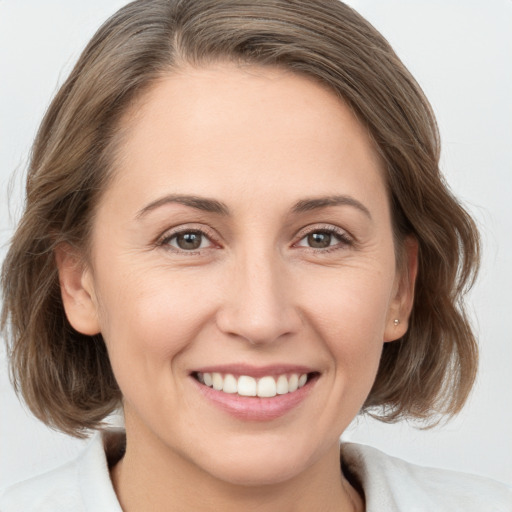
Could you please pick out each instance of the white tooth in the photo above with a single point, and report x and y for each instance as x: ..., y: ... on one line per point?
x: 303, y: 379
x: 293, y: 383
x: 217, y: 381
x: 267, y: 387
x: 282, y: 385
x: 230, y: 385
x: 207, y: 378
x: 246, y: 386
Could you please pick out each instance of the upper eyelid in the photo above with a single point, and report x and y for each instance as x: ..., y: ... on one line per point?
x: 322, y: 227
x: 346, y: 240
x: 172, y: 232
x: 215, y: 238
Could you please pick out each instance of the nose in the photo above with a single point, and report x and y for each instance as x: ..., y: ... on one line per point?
x: 257, y: 303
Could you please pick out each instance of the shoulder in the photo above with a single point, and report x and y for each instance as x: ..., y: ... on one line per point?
x: 395, y: 485
x: 80, y: 485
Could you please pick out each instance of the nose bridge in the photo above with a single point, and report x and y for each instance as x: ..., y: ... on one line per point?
x: 258, y: 305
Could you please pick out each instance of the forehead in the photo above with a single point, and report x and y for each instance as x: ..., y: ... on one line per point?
x: 239, y: 127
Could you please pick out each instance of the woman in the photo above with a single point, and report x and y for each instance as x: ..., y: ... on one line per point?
x: 236, y: 229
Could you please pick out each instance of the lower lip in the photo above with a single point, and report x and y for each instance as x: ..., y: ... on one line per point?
x: 255, y: 408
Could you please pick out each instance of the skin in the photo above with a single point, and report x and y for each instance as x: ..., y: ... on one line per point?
x: 258, y: 140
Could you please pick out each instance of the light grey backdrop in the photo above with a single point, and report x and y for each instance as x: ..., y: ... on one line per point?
x: 461, y: 54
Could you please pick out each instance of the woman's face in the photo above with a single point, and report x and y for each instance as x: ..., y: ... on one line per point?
x: 245, y: 239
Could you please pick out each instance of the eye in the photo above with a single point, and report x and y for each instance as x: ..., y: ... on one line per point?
x: 189, y: 240
x: 324, y: 238
x: 319, y: 240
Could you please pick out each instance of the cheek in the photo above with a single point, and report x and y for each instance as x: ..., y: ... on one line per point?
x: 349, y: 314
x: 353, y: 303
x: 147, y: 319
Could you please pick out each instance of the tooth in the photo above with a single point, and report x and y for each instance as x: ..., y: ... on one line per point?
x: 282, y: 385
x: 207, y: 378
x: 246, y: 386
x: 293, y: 383
x: 267, y: 387
x: 230, y: 384
x: 217, y: 381
x: 249, y: 386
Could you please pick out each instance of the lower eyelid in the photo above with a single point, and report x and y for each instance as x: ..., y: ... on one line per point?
x: 166, y: 238
x: 342, y: 236
x: 343, y: 239
x: 203, y: 238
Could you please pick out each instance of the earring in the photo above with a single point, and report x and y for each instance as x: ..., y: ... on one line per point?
x: 396, y: 321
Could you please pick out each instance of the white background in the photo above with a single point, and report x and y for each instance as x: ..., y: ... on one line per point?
x: 461, y: 53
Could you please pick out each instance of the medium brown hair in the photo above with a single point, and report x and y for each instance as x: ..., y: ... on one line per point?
x: 64, y: 376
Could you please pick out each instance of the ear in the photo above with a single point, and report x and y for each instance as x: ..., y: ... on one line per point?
x: 76, y: 286
x: 397, y: 321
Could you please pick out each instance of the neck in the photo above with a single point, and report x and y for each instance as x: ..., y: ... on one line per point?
x: 152, y: 477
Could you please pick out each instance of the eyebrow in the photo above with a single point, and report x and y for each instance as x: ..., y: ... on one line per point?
x: 306, y: 205
x: 199, y: 203
x: 214, y: 206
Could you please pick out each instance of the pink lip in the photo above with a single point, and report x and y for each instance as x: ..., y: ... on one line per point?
x: 255, y: 371
x: 255, y: 408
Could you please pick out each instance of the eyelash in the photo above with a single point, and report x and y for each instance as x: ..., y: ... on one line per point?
x: 344, y: 240
x: 164, y: 240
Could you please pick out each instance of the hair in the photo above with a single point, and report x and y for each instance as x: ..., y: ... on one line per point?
x: 65, y: 377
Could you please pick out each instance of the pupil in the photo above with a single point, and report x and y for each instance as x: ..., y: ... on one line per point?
x: 189, y: 241
x: 319, y: 240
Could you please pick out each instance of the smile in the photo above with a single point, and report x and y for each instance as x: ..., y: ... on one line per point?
x: 245, y: 385
x: 251, y: 393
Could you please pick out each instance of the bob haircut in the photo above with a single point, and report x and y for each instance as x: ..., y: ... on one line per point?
x: 65, y: 377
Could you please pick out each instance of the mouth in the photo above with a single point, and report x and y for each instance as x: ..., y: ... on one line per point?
x: 264, y: 386
x: 255, y: 394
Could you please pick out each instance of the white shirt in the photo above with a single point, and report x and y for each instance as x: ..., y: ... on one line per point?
x: 390, y: 485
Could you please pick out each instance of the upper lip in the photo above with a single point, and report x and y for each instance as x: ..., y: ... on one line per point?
x: 255, y: 371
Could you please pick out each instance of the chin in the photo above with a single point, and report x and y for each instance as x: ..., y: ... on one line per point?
x: 259, y: 463
x: 255, y: 473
